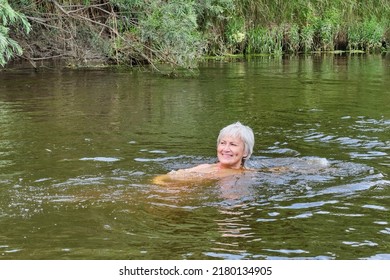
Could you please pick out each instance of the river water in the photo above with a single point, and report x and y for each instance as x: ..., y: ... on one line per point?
x: 79, y: 149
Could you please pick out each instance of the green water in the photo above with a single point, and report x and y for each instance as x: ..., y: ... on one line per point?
x: 78, y: 150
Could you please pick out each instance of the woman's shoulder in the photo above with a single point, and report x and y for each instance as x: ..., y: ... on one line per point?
x: 205, y: 167
x: 188, y: 175
x: 196, y: 169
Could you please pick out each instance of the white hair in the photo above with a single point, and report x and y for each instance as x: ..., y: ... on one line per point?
x: 245, y: 133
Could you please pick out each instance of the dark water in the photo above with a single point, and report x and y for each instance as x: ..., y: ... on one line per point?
x: 78, y: 150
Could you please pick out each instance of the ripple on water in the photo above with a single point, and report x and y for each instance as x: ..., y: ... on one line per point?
x: 159, y: 159
x: 101, y: 159
x: 305, y: 205
x: 308, y: 172
x: 368, y: 155
x: 385, y: 231
x: 379, y: 257
x: 360, y: 244
x: 347, y: 189
x: 375, y: 207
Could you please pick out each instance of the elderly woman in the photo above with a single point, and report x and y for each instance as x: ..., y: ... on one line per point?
x: 234, y: 147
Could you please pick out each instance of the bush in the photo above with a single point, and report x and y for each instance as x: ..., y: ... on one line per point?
x: 159, y: 32
x: 169, y: 30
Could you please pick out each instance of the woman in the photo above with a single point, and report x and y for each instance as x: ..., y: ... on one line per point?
x: 234, y: 147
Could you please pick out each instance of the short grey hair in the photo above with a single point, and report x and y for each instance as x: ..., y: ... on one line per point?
x: 245, y: 133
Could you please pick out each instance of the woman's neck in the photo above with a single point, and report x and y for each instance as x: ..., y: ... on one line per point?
x: 222, y: 166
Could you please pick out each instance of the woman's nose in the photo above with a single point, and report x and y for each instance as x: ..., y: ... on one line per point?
x: 226, y: 147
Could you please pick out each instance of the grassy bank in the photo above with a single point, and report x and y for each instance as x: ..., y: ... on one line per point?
x: 180, y: 32
x: 316, y: 25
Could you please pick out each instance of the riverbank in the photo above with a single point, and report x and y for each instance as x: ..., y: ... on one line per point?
x: 181, y: 33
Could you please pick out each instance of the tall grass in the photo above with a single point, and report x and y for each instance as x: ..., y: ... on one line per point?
x: 315, y: 25
x: 368, y: 35
x: 265, y: 40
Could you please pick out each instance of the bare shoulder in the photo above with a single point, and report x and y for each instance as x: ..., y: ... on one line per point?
x: 193, y: 174
x: 200, y: 168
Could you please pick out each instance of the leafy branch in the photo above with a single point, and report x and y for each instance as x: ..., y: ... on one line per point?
x: 10, y: 18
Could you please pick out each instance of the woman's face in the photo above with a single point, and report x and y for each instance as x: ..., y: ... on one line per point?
x: 230, y: 151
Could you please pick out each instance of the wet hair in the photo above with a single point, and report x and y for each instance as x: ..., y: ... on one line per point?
x: 245, y: 133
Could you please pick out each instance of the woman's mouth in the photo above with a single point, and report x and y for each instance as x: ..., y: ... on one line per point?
x: 225, y: 155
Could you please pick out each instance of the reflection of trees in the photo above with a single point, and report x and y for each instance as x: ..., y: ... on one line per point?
x: 6, y: 144
x: 50, y: 120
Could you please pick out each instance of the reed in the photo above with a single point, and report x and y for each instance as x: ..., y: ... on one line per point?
x: 316, y: 25
x: 368, y: 35
x: 265, y: 40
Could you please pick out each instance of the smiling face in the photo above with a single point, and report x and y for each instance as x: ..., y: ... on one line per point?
x: 230, y: 151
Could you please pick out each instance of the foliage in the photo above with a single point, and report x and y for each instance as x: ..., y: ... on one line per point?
x: 179, y: 32
x: 315, y: 25
x: 212, y: 18
x: 10, y: 18
x: 169, y: 29
x: 367, y: 35
x: 265, y: 40
x: 235, y: 35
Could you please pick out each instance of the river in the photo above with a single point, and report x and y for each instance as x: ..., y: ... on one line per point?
x: 79, y: 150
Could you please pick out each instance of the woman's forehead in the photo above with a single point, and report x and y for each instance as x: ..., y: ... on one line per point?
x: 230, y: 138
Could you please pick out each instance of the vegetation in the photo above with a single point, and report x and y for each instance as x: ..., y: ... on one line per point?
x: 180, y: 32
x: 9, y: 17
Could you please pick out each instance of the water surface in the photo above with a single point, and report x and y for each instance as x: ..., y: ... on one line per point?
x: 78, y: 151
